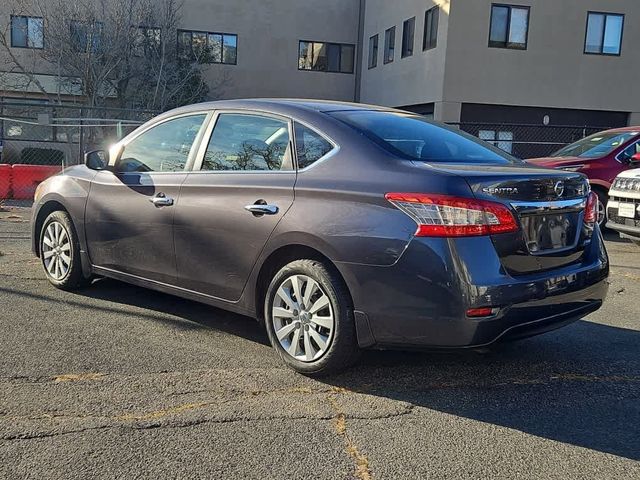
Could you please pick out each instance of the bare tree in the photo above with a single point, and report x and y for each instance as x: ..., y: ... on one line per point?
x: 121, y: 52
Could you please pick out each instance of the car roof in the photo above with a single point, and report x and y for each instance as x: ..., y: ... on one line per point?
x: 624, y: 129
x: 286, y: 106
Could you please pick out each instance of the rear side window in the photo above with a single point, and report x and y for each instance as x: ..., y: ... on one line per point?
x: 413, y: 137
x: 310, y: 146
x: 246, y: 142
x: 163, y: 148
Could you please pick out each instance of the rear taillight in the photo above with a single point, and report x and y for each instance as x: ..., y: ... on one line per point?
x: 591, y: 210
x: 447, y: 216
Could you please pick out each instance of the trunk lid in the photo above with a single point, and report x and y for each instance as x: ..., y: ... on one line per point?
x: 548, y: 204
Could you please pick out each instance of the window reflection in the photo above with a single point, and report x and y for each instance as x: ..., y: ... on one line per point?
x: 248, y: 142
x: 163, y: 148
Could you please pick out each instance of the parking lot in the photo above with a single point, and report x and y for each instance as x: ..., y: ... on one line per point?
x: 117, y: 381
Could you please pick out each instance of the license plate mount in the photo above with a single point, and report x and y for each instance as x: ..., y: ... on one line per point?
x: 627, y: 210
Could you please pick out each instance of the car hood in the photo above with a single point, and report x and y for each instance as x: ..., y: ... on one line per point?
x: 557, y: 162
x: 633, y: 173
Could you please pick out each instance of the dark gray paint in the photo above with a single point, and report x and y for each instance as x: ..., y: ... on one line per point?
x: 405, y: 290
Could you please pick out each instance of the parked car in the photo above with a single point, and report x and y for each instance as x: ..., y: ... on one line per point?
x: 601, y: 157
x: 340, y: 226
x: 623, y: 209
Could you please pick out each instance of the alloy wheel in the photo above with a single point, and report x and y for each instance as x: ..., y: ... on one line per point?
x: 56, y: 250
x: 303, y: 318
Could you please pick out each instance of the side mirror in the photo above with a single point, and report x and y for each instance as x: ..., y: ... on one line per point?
x: 97, y: 160
x: 635, y: 159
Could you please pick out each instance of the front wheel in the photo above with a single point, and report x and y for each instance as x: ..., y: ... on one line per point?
x: 309, y: 318
x: 60, y: 252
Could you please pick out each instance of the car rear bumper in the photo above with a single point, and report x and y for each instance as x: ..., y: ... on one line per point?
x: 422, y: 300
x: 629, y: 229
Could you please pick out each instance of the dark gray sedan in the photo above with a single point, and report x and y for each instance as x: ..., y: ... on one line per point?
x: 340, y: 226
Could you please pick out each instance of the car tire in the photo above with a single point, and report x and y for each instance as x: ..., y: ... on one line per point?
x: 60, y: 252
x: 311, y: 348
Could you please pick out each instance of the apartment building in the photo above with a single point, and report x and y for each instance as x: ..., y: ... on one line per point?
x: 562, y: 62
x: 544, y: 62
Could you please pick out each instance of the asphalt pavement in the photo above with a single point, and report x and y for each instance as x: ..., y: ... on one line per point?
x: 115, y: 381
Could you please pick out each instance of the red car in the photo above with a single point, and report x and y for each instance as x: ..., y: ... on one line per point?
x: 601, y: 157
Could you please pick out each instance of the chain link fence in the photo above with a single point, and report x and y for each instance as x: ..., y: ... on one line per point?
x: 528, y: 141
x: 39, y: 139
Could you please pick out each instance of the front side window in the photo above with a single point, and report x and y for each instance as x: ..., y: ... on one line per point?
x: 389, y: 44
x: 163, y: 148
x: 629, y: 152
x: 245, y: 142
x: 208, y: 47
x: 597, y: 145
x: 27, y: 32
x: 373, y: 51
x: 408, y: 33
x: 509, y: 27
x: 310, y: 145
x: 326, y: 57
x: 413, y: 137
x: 604, y: 34
x: 430, y: 37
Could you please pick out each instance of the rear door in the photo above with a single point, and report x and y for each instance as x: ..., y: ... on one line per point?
x: 241, y: 186
x: 130, y: 210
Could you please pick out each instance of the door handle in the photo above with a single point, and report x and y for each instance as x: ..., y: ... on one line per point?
x: 161, y: 200
x: 259, y: 209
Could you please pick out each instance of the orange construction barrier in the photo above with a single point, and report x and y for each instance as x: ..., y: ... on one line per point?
x: 25, y: 179
x: 5, y: 181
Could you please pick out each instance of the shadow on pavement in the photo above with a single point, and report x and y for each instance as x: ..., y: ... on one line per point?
x: 614, y: 237
x: 579, y: 385
x: 198, y: 314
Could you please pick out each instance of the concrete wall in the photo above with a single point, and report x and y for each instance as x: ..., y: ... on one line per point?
x: 553, y: 71
x: 406, y: 81
x: 268, y: 34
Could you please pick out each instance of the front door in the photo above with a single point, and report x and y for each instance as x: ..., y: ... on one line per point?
x: 130, y: 210
x: 231, y: 203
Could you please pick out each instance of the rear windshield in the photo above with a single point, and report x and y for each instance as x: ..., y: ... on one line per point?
x: 597, y: 145
x: 415, y: 138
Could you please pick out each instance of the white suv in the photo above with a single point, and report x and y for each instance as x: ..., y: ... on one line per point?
x: 623, y: 209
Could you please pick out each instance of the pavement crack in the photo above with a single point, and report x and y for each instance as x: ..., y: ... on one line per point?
x: 362, y: 471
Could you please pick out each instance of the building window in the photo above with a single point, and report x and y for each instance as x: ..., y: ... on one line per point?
x: 430, y: 37
x: 604, y: 33
x: 502, y: 139
x: 27, y: 32
x: 86, y: 36
x: 147, y: 41
x: 326, y: 57
x: 408, y: 31
x: 373, y: 51
x: 208, y: 47
x: 389, y: 44
x: 509, y: 27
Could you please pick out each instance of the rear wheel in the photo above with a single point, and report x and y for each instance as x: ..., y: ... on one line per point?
x: 309, y: 318
x: 60, y: 252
